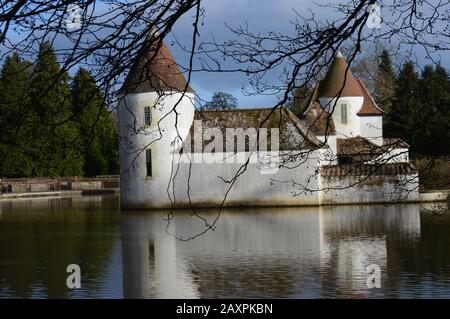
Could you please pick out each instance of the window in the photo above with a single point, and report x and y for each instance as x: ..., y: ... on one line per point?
x: 342, y: 160
x: 148, y: 162
x: 147, y: 115
x: 344, y: 113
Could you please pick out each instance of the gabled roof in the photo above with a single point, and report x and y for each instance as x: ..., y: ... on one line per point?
x: 316, y: 119
x: 154, y: 70
x: 293, y: 135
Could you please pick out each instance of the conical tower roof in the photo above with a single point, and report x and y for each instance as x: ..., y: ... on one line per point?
x: 154, y: 70
x: 333, y: 82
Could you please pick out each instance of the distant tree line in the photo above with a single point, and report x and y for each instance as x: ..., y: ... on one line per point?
x: 53, y: 128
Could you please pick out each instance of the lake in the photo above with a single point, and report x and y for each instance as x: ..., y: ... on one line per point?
x: 310, y: 252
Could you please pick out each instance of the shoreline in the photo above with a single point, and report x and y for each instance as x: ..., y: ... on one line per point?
x: 60, y: 194
x: 425, y: 197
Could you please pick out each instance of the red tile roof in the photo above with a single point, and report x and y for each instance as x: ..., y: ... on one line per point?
x: 154, y: 70
x: 357, y: 146
x: 369, y: 107
x: 368, y: 170
x: 333, y: 82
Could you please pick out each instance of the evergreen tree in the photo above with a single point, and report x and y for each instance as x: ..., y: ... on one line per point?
x: 56, y: 146
x: 15, y: 159
x: 404, y: 116
x: 384, y: 82
x: 111, y: 143
x: 435, y: 103
x: 420, y: 112
x: 97, y: 132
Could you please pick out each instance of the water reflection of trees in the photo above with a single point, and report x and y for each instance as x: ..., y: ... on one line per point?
x: 411, y: 265
x: 40, y: 237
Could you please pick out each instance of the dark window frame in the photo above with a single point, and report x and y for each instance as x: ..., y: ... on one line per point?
x: 345, y: 159
x: 147, y: 115
x: 148, y: 163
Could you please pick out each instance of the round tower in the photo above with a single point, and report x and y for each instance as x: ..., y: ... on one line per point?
x: 353, y: 110
x: 155, y: 106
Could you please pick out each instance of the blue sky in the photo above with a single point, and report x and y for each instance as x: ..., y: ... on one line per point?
x: 261, y: 16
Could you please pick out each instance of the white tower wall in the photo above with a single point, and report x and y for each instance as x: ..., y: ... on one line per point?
x: 135, y: 137
x: 372, y: 128
x: 353, y: 126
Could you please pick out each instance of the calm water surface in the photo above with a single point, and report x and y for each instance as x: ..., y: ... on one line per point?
x: 267, y: 252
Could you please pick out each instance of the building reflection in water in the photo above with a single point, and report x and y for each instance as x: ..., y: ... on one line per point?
x: 267, y: 252
x: 264, y: 252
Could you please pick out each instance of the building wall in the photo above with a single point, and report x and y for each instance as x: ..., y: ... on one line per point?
x: 353, y: 126
x: 372, y: 128
x: 181, y: 183
x: 135, y: 138
x: 331, y: 152
x: 372, y: 189
x: 207, y: 186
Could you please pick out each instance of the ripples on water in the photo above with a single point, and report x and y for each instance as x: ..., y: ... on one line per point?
x: 316, y: 252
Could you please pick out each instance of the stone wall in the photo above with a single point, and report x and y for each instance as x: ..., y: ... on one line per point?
x: 366, y: 189
x: 29, y: 185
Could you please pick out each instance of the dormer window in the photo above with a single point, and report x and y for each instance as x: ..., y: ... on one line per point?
x: 344, y: 113
x: 147, y: 115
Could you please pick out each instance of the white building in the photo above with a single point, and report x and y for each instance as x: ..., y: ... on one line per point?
x: 172, y: 155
